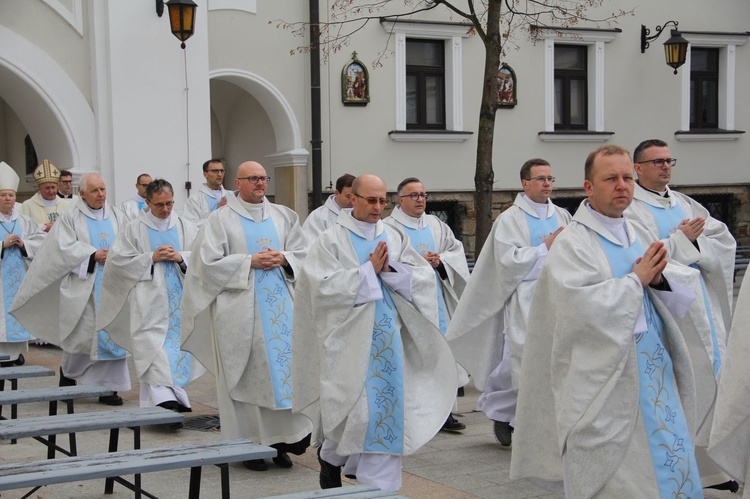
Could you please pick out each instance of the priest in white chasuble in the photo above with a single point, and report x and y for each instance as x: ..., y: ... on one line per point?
x: 378, y: 378
x: 237, y: 313
x: 60, y: 298
x: 141, y: 295
x: 21, y: 238
x: 607, y: 400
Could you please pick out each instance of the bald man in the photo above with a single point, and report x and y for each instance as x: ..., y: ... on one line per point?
x: 59, y: 300
x: 240, y: 287
x: 385, y: 380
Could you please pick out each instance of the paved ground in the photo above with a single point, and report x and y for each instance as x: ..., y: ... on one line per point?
x: 452, y: 466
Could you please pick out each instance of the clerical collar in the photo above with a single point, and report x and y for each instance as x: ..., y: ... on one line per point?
x: 418, y: 221
x: 161, y: 224
x: 6, y: 218
x: 369, y: 230
x: 138, y: 198
x: 98, y: 214
x: 616, y: 226
x: 662, y: 194
x: 49, y: 203
x: 256, y: 210
x: 539, y: 208
x: 217, y: 193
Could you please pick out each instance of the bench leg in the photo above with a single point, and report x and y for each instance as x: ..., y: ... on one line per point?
x: 114, y: 435
x: 224, y: 480
x: 195, y: 482
x: 71, y: 436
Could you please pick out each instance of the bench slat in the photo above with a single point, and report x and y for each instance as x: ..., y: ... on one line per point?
x: 356, y: 492
x: 86, y: 421
x: 17, y: 372
x: 80, y: 468
x: 55, y: 393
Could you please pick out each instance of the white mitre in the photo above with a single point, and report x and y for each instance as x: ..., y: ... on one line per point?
x: 8, y: 177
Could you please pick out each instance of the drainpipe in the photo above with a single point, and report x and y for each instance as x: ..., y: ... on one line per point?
x: 317, y: 158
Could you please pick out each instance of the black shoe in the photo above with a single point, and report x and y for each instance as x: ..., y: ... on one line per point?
x: 330, y: 475
x: 21, y: 360
x: 460, y: 392
x: 503, y: 432
x: 111, y: 399
x: 65, y: 381
x: 452, y: 424
x: 283, y: 460
x: 731, y: 486
x: 255, y: 464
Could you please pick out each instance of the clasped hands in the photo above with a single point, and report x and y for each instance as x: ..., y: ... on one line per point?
x: 649, y: 267
x: 268, y: 259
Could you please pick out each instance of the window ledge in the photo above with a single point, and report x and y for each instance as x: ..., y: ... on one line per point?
x: 707, y: 135
x: 428, y: 136
x: 575, y: 136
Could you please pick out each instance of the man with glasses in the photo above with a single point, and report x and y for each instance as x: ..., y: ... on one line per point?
x: 237, y: 312
x: 59, y: 299
x: 378, y: 380
x: 435, y: 241
x: 692, y: 237
x: 488, y: 330
x: 325, y: 216
x: 65, y: 187
x: 211, y: 194
x: 141, y: 293
x: 133, y: 206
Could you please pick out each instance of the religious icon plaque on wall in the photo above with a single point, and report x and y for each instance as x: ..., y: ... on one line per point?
x: 355, y: 83
x: 506, y: 87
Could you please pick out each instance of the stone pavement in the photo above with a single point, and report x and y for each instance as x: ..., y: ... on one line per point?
x: 452, y: 466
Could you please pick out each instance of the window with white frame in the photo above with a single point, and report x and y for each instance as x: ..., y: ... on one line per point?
x: 429, y: 80
x: 708, y: 86
x: 574, y: 83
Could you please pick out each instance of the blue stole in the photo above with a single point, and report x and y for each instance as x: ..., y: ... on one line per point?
x: 669, y: 440
x: 101, y: 235
x: 141, y: 205
x: 180, y: 362
x: 13, y: 271
x: 385, y: 379
x: 539, y: 229
x: 422, y: 240
x: 273, y: 303
x: 667, y: 221
x: 213, y: 203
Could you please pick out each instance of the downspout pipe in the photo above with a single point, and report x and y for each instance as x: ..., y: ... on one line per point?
x: 316, y: 141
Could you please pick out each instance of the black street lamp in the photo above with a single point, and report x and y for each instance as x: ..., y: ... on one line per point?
x: 675, y: 49
x: 181, y: 17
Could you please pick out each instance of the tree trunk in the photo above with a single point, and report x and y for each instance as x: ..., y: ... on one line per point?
x: 484, y: 176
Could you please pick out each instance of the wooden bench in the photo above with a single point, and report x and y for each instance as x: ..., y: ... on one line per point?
x: 356, y: 492
x: 39, y: 427
x: 113, y: 465
x: 67, y: 394
x: 15, y: 373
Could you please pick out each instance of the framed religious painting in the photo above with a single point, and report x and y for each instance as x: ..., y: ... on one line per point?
x: 355, y: 83
x: 506, y: 87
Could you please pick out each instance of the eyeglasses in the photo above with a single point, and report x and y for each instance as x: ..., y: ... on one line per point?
x: 217, y: 172
x: 551, y: 180
x: 415, y: 195
x: 66, y: 181
x: 143, y: 185
x: 659, y: 162
x: 255, y: 179
x: 374, y: 200
x: 161, y: 206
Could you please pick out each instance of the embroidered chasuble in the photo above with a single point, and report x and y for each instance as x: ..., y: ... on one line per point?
x: 670, y: 445
x: 667, y: 221
x: 274, y: 306
x: 422, y: 240
x: 539, y: 228
x: 13, y: 270
x: 180, y: 362
x: 385, y: 374
x: 101, y: 236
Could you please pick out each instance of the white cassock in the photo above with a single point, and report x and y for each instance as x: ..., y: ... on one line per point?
x: 222, y: 323
x: 202, y: 203
x: 14, y: 339
x: 131, y: 207
x: 140, y: 306
x: 337, y: 299
x: 714, y: 258
x: 730, y: 436
x: 57, y: 301
x: 42, y: 211
x: 608, y: 386
x: 321, y: 219
x: 488, y: 329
